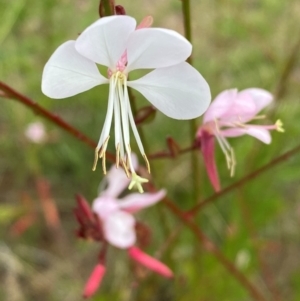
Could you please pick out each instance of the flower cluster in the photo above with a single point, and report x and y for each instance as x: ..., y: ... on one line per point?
x: 173, y: 87
x: 111, y: 221
x: 228, y: 116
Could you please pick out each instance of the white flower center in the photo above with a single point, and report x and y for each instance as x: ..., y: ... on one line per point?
x: 119, y: 106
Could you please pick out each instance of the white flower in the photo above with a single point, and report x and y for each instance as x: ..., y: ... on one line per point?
x: 174, y: 87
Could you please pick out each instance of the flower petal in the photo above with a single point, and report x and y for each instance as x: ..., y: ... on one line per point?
x: 104, y: 206
x: 117, y: 179
x: 179, y: 91
x: 220, y: 105
x: 259, y: 132
x: 136, y: 201
x: 150, y: 262
x: 230, y: 106
x: 261, y: 97
x: 67, y: 73
x: 94, y: 281
x: 208, y: 152
x: 119, y: 229
x: 156, y: 48
x: 104, y: 41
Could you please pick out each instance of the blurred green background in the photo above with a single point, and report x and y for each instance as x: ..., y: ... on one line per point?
x: 237, y: 44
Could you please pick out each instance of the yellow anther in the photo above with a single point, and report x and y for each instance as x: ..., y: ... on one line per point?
x: 96, y: 159
x: 103, y: 148
x: 118, y: 155
x: 279, y: 126
x: 147, y: 162
x: 104, y: 163
x: 125, y: 168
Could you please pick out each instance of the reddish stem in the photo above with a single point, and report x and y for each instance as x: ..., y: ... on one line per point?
x: 210, y: 247
x: 13, y: 94
x: 243, y: 180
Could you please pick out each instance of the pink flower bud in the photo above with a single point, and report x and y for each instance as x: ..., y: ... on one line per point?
x: 94, y: 281
x: 150, y: 262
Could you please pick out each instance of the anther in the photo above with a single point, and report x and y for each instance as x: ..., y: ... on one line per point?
x: 279, y: 126
x: 125, y: 168
x: 118, y: 156
x: 147, y: 162
x: 96, y: 159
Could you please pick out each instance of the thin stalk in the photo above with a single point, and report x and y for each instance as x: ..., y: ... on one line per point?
x: 109, y: 7
x: 186, y: 12
x: 193, y: 211
x: 10, y: 93
x: 211, y: 248
x: 287, y: 71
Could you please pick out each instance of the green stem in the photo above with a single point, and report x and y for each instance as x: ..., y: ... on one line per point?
x: 186, y: 12
x: 109, y: 7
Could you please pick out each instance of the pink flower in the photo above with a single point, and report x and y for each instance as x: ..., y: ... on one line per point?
x: 227, y: 117
x: 111, y: 221
x: 35, y: 132
x: 116, y: 215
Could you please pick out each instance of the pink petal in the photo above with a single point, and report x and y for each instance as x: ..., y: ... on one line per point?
x: 145, y: 23
x: 104, y: 206
x: 119, y: 229
x: 117, y: 179
x: 220, y: 105
x: 150, y: 262
x: 259, y: 132
x: 94, y: 281
x: 136, y: 201
x: 261, y: 97
x: 208, y: 150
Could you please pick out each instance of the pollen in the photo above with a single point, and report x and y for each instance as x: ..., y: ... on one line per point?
x: 279, y: 126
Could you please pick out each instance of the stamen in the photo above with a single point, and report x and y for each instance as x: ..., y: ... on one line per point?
x: 125, y: 168
x: 147, y: 162
x: 118, y: 155
x: 233, y: 162
x: 259, y: 117
x: 103, y: 148
x: 228, y: 152
x: 96, y: 158
x: 217, y: 126
x: 240, y: 124
x: 103, y: 156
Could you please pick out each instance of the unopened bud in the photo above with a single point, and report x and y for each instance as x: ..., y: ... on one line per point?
x: 120, y: 10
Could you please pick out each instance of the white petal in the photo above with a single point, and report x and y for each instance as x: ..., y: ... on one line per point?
x: 137, y: 201
x: 119, y: 229
x: 156, y: 48
x: 104, y: 41
x: 261, y: 97
x: 179, y: 91
x: 68, y: 73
